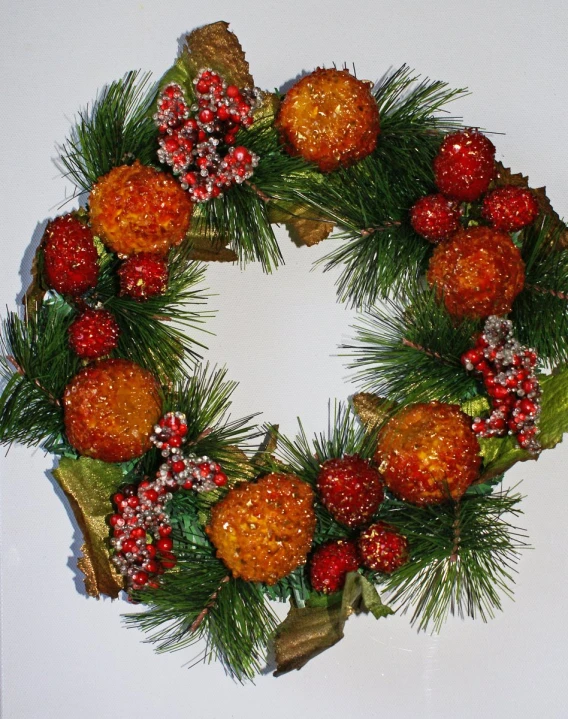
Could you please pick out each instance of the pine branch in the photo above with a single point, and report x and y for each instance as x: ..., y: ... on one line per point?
x: 540, y: 313
x: 154, y: 333
x: 462, y: 557
x: 370, y: 201
x: 199, y: 601
x: 116, y: 130
x: 411, y: 352
x: 36, y: 366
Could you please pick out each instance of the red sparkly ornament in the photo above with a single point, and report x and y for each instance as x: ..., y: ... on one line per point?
x: 331, y: 563
x: 435, y: 217
x: 142, y: 276
x: 464, y: 165
x: 382, y: 548
x: 94, y: 334
x: 478, y: 272
x: 70, y: 256
x: 510, y: 208
x: 350, y: 489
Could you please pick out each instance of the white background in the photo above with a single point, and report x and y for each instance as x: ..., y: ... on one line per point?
x: 64, y: 655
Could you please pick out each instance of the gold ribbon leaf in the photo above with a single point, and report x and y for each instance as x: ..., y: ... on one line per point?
x: 215, y: 46
x: 310, y: 630
x: 89, y: 484
x: 206, y: 248
x: 372, y: 409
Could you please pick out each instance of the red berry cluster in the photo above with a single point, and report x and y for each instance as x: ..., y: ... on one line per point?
x: 142, y: 276
x: 508, y: 372
x: 189, y: 472
x: 94, y: 334
x: 380, y: 548
x: 141, y: 526
x: 463, y: 170
x: 191, y: 136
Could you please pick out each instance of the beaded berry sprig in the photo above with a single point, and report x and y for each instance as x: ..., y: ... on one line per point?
x: 198, y: 141
x: 141, y: 525
x: 508, y: 372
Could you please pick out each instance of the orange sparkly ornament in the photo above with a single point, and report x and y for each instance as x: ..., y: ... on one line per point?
x: 262, y: 531
x: 111, y: 408
x: 135, y: 208
x: 330, y: 118
x: 478, y: 272
x: 428, y: 453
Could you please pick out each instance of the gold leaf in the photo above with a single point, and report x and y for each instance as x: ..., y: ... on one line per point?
x: 372, y: 409
x: 89, y: 484
x: 215, y: 46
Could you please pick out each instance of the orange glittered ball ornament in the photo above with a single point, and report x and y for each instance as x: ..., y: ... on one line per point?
x: 478, y: 272
x: 330, y: 118
x: 135, y: 208
x: 262, y: 531
x: 111, y: 408
x: 428, y: 453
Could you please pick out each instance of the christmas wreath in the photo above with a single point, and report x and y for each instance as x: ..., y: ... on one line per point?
x: 460, y: 273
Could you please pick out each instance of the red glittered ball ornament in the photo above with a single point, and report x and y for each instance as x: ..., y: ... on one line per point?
x: 478, y: 272
x: 428, y: 453
x: 510, y: 208
x: 350, y: 489
x: 435, y: 217
x: 142, y: 276
x: 94, y: 334
x: 331, y: 563
x: 382, y: 548
x: 70, y: 256
x: 464, y: 165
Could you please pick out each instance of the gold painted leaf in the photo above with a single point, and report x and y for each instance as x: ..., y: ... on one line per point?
x: 89, y: 484
x: 372, y: 409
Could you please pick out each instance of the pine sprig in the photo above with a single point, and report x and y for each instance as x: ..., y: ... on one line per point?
x: 200, y: 601
x: 370, y: 201
x: 462, y: 557
x: 36, y: 365
x: 154, y: 333
x: 540, y: 313
x: 410, y: 352
x: 116, y: 130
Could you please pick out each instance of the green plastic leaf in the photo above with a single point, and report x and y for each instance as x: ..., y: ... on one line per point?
x: 310, y: 630
x: 89, y: 484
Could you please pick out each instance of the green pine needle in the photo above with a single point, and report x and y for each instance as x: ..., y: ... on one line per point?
x: 411, y: 352
x: 462, y: 557
x: 545, y: 295
x: 116, y: 130
x: 36, y: 366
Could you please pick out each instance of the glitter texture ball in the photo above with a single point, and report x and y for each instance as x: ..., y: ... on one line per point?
x: 331, y: 563
x: 330, y: 118
x: 135, y: 208
x: 382, y: 548
x: 70, y: 256
x: 428, y: 453
x: 94, y: 334
x: 262, y: 531
x: 478, y: 272
x: 510, y: 208
x: 111, y: 408
x: 142, y: 276
x: 464, y: 165
x: 350, y: 489
x: 435, y: 217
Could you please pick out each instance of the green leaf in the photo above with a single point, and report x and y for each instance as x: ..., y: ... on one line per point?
x: 89, y: 484
x: 308, y: 631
